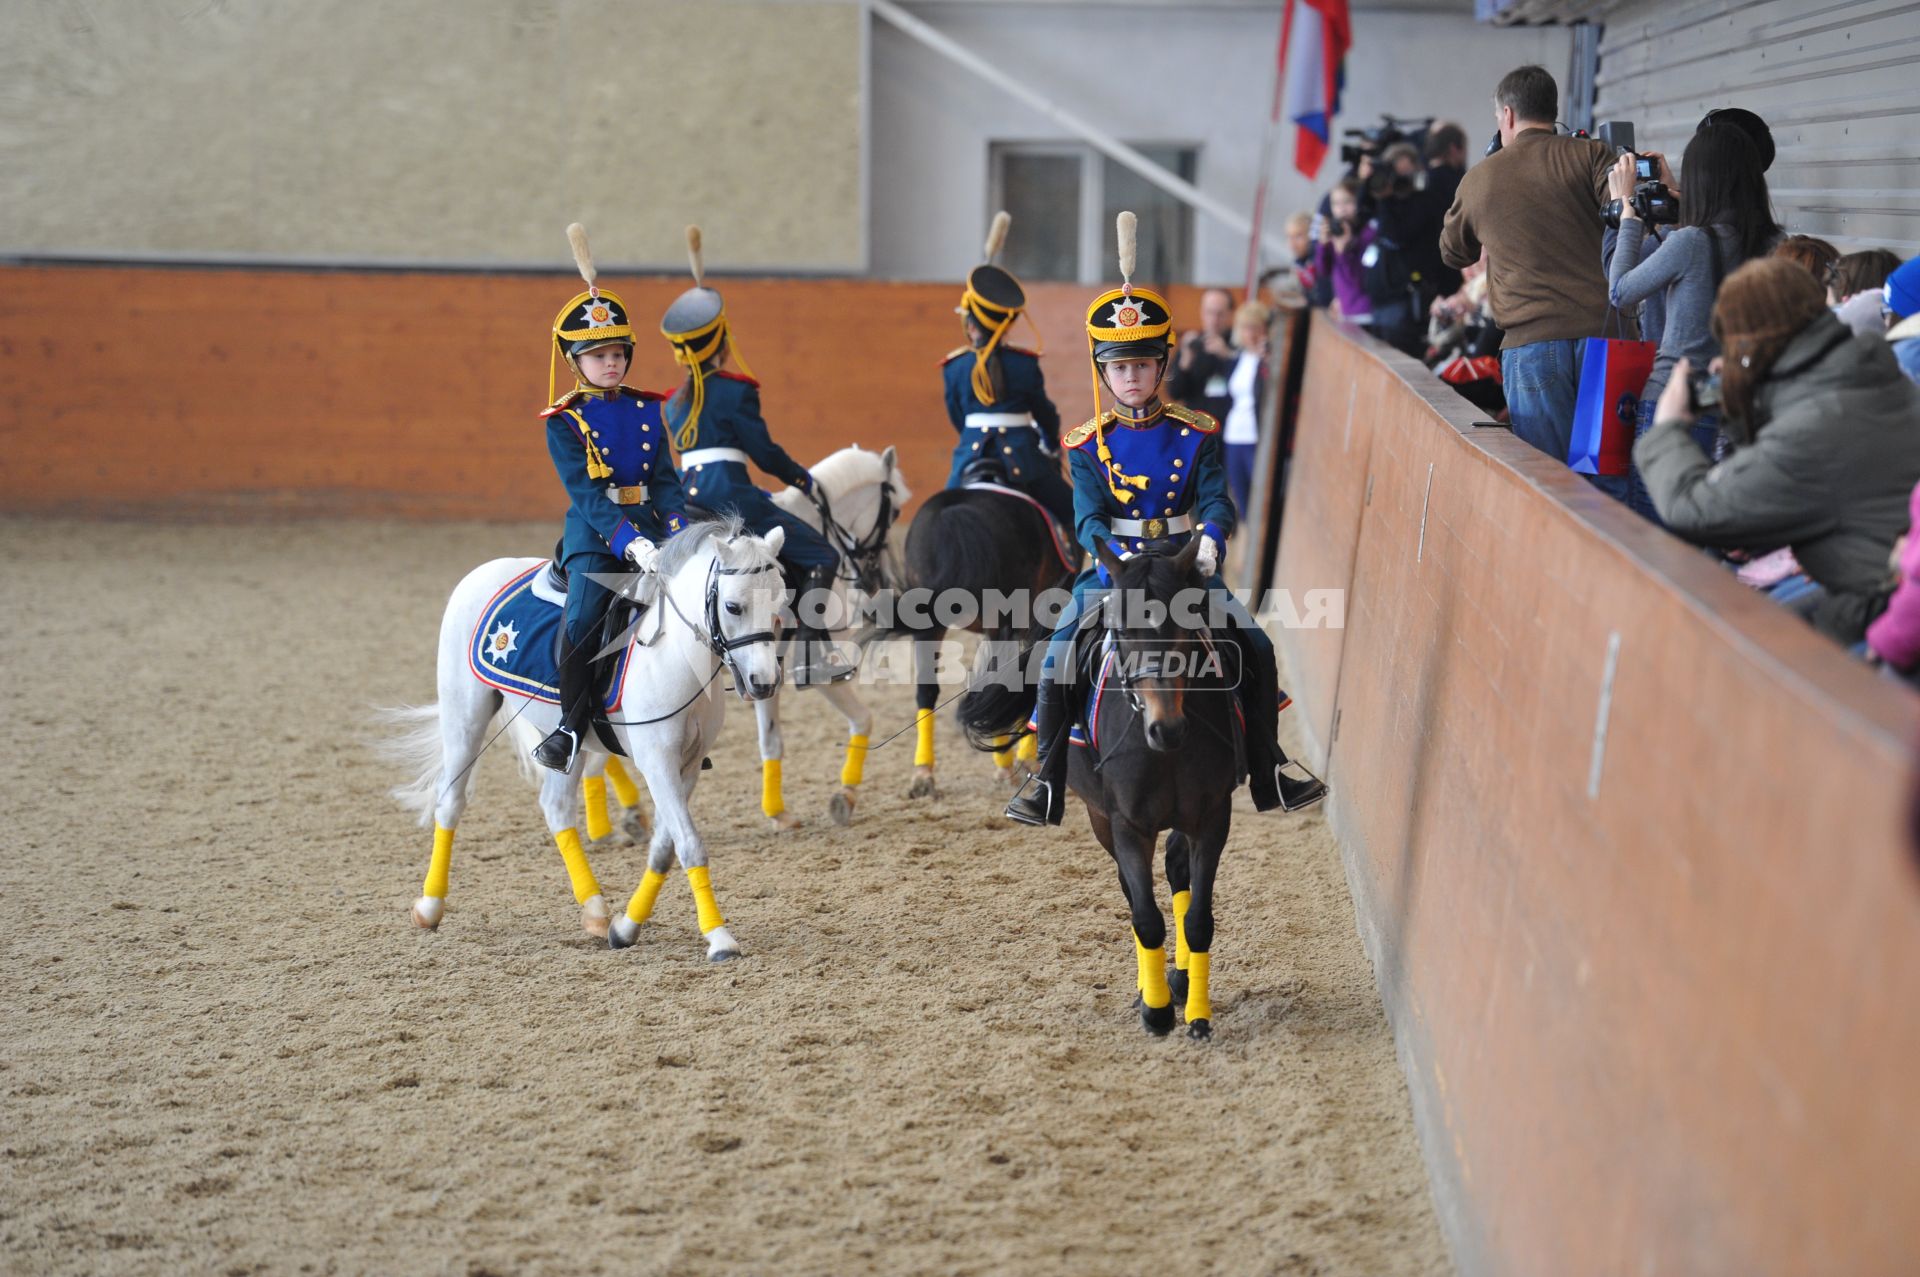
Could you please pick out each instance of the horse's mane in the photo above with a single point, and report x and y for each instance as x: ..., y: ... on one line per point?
x: 725, y: 534
x: 852, y: 466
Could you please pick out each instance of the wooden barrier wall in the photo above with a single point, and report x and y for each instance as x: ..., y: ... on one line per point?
x: 146, y: 392
x: 1626, y: 847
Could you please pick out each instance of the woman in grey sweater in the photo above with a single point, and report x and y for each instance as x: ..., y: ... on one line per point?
x: 1725, y: 219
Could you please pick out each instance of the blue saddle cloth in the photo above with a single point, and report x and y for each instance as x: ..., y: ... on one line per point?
x: 515, y: 645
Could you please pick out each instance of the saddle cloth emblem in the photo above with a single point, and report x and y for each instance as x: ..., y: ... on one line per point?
x: 515, y: 643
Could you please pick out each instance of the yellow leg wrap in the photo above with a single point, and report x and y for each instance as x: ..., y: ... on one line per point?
x: 1153, y: 975
x: 623, y: 787
x: 1029, y: 750
x: 436, y: 885
x: 1181, y: 899
x: 640, y: 908
x: 1198, y: 1008
x: 594, y: 790
x: 579, y: 872
x: 771, y: 802
x: 855, y: 768
x: 1003, y: 756
x: 703, y: 899
x: 923, y: 746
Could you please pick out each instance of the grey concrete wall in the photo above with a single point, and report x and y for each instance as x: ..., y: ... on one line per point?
x: 433, y: 129
x: 1148, y: 73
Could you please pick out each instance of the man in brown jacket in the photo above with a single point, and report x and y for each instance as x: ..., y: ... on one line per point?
x: 1534, y: 206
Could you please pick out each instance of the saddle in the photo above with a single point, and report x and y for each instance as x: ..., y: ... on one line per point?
x: 983, y: 469
x: 614, y: 625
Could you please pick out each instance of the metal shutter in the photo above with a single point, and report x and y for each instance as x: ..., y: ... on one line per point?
x: 1839, y: 84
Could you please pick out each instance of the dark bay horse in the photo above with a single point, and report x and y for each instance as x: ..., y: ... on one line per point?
x: 1164, y: 758
x: 982, y: 543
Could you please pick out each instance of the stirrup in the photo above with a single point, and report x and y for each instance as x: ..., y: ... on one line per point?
x: 1042, y: 808
x: 547, y: 754
x: 828, y: 669
x: 1298, y: 793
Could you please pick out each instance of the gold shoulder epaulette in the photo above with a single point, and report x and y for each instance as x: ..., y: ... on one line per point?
x: 1086, y: 430
x: 562, y: 403
x: 954, y: 354
x: 1198, y: 420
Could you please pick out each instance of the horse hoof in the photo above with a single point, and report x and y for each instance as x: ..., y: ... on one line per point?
x: 1200, y: 1030
x: 1158, y: 1020
x: 594, y: 915
x: 634, y: 826
x: 840, y: 808
x: 1009, y: 776
x: 1177, y: 981
x: 721, y: 946
x: 426, y: 912
x: 622, y: 932
x: 923, y: 786
x: 785, y: 822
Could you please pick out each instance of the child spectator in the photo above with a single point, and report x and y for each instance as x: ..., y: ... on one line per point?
x: 1247, y: 384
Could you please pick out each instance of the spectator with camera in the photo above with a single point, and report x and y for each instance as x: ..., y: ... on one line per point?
x: 1339, y: 259
x: 1826, y: 444
x: 1534, y: 207
x: 1406, y: 250
x: 1199, y: 376
x: 1725, y: 219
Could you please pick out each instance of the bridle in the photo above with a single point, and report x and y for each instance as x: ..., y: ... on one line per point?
x: 709, y: 631
x: 861, y: 555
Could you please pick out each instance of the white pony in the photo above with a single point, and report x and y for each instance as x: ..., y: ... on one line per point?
x: 713, y: 599
x: 865, y: 494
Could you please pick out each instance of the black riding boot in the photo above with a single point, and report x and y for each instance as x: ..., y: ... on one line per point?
x: 1042, y: 800
x: 817, y: 659
x: 557, y: 751
x: 1273, y: 779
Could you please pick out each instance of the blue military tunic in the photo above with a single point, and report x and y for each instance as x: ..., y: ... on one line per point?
x: 729, y: 433
x: 1173, y: 473
x: 1012, y: 428
x: 610, y: 449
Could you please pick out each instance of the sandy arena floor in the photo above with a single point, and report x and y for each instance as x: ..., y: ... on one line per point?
x: 226, y: 1051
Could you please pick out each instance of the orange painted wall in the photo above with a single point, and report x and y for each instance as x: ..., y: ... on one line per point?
x: 210, y: 392
x: 1667, y: 1024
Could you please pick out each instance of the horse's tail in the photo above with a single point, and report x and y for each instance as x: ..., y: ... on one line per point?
x: 414, y: 745
x: 1005, y: 686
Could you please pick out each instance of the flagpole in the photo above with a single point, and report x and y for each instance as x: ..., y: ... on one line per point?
x: 1268, y: 141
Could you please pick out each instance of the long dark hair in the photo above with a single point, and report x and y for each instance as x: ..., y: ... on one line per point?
x: 1721, y: 183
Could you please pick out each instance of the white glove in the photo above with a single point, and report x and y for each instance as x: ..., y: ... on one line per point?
x: 1208, y: 559
x: 642, y: 553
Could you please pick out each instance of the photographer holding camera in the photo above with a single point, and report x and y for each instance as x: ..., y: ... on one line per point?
x: 1406, y: 252
x: 1725, y: 219
x: 1534, y: 206
x: 1825, y: 453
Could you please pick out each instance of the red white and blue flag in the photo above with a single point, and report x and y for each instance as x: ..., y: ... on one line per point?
x: 1313, y: 47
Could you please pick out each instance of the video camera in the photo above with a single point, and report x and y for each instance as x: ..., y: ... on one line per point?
x: 1652, y: 200
x: 1373, y: 141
